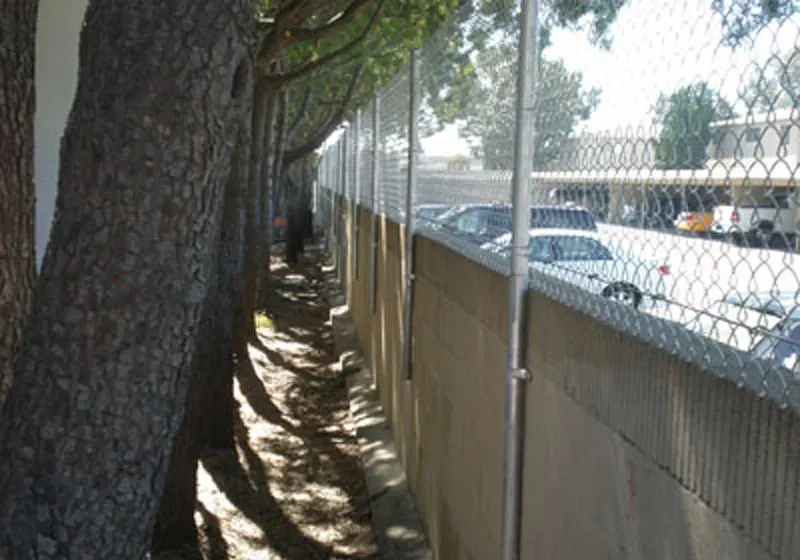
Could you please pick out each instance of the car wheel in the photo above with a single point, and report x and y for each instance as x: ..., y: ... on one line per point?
x: 763, y: 234
x: 735, y: 238
x: 623, y: 293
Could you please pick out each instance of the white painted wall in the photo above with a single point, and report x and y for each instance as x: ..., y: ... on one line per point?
x: 57, y: 36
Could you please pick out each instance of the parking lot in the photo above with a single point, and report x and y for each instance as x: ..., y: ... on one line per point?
x: 704, y: 270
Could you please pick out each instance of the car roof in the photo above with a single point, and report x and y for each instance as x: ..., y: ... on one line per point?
x: 505, y: 205
x: 781, y: 296
x: 763, y: 300
x: 568, y: 207
x: 559, y: 232
x: 562, y: 232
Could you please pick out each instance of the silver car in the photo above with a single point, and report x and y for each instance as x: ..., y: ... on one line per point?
x: 764, y: 325
x: 588, y: 260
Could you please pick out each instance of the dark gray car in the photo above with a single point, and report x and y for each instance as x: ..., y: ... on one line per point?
x: 481, y: 223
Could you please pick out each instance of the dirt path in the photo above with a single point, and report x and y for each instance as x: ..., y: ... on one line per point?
x: 296, y: 489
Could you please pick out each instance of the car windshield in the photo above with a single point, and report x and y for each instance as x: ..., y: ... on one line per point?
x: 568, y: 248
x: 781, y: 347
x: 735, y: 321
x: 766, y: 304
x: 448, y: 214
x: 571, y: 218
x: 428, y: 213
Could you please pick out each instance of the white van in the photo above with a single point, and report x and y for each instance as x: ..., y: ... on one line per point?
x: 758, y: 223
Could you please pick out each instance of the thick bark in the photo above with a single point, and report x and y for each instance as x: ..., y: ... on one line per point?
x: 306, y: 197
x: 216, y: 399
x: 263, y: 107
x: 271, y: 186
x: 175, y: 525
x: 300, y: 226
x: 295, y: 242
x: 208, y: 421
x: 102, y: 380
x: 265, y: 202
x: 17, y: 195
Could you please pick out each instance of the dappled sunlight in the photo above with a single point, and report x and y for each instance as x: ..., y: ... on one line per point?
x: 295, y: 486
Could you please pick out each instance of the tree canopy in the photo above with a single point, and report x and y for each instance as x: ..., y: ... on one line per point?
x: 741, y: 19
x: 685, y: 118
x: 375, y: 43
x: 364, y: 43
x: 776, y: 84
x: 561, y: 104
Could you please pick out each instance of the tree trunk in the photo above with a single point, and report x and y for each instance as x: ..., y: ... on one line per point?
x: 263, y: 108
x: 216, y: 399
x: 281, y: 130
x: 101, y: 386
x: 175, y: 525
x: 17, y: 194
x: 300, y: 218
x: 208, y: 421
x: 307, y: 196
x: 265, y: 194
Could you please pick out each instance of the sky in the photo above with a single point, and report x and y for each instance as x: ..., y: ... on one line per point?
x: 658, y: 46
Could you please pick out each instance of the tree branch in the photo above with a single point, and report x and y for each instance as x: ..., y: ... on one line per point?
x: 282, y: 79
x: 342, y: 19
x: 300, y: 114
x: 294, y: 154
x: 272, y: 42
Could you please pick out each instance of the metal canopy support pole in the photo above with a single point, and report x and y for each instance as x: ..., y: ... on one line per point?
x: 342, y: 215
x: 356, y: 196
x: 324, y: 212
x: 329, y: 199
x: 319, y: 210
x: 334, y: 152
x: 517, y: 375
x: 413, y: 132
x: 373, y: 262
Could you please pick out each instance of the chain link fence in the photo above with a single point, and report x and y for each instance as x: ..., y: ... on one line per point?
x: 664, y: 196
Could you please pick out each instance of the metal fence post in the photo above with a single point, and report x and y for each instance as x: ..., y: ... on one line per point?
x: 356, y: 195
x: 373, y: 263
x: 517, y: 375
x: 413, y: 132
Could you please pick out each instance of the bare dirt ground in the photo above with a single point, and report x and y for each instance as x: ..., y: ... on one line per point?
x: 296, y: 488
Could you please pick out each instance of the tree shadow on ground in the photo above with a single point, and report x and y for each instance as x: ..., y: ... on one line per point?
x: 317, y: 395
x: 210, y: 534
x: 303, y: 286
x: 249, y: 491
x: 253, y: 390
x: 297, y: 473
x: 210, y: 543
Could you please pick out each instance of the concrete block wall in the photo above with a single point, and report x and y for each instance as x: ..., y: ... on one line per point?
x: 629, y: 453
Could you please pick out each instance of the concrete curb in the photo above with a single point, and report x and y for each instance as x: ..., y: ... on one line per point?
x: 396, y: 522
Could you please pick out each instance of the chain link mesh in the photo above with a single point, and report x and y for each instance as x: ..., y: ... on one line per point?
x: 393, y: 148
x: 664, y: 195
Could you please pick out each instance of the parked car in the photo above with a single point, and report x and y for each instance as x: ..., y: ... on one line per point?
x: 736, y: 319
x: 698, y: 216
x: 480, y: 223
x: 431, y: 212
x: 765, y: 325
x: 588, y: 260
x: 757, y: 224
x: 657, y: 213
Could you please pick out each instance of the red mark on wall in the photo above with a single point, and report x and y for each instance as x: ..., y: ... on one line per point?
x: 630, y: 513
